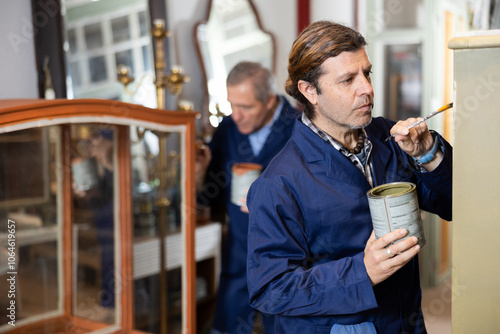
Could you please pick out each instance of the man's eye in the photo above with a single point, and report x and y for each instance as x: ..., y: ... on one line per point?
x: 368, y: 73
x: 348, y: 80
x: 241, y: 108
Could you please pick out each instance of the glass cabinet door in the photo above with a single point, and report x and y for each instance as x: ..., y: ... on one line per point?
x: 93, y: 165
x: 30, y: 225
x: 156, y: 202
x: 30, y: 201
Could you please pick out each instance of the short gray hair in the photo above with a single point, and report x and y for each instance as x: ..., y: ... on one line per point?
x: 262, y: 79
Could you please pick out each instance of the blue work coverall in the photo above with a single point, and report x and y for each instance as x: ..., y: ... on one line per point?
x: 309, y: 224
x: 233, y: 311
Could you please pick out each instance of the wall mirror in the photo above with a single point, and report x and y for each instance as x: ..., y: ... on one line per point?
x: 80, y: 46
x: 231, y: 33
x: 100, y: 36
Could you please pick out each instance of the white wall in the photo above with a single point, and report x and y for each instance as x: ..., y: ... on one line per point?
x: 17, y: 51
x: 279, y: 17
x: 340, y: 11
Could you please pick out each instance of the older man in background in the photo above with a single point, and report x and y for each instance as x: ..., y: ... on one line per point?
x: 259, y: 126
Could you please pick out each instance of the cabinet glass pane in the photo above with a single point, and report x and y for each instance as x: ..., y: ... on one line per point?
x: 93, y: 231
x: 30, y: 224
x: 156, y: 189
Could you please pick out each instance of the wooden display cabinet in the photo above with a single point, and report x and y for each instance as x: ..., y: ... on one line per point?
x: 97, y: 218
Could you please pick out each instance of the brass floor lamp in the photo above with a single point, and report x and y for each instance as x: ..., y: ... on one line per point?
x: 174, y: 82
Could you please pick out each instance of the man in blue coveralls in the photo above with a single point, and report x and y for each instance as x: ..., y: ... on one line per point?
x: 313, y: 259
x: 259, y: 126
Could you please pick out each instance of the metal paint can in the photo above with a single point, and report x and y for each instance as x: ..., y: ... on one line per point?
x: 393, y: 206
x: 242, y: 176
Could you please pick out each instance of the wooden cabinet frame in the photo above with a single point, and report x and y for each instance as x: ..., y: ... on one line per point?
x: 24, y: 114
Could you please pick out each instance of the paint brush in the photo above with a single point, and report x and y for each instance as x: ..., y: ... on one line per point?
x: 434, y: 113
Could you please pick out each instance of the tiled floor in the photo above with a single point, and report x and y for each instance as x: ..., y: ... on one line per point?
x: 436, y: 306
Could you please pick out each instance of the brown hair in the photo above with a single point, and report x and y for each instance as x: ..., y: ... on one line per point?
x: 261, y: 77
x: 315, y: 44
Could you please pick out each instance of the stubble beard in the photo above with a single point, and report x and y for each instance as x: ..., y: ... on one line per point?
x: 362, y: 126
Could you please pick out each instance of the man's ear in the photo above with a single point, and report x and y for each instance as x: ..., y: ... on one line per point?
x: 309, y: 91
x: 271, y: 101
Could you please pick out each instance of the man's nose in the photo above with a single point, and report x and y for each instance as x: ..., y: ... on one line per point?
x: 365, y: 87
x: 236, y: 114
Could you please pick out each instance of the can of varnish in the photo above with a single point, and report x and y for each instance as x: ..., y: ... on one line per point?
x: 393, y: 206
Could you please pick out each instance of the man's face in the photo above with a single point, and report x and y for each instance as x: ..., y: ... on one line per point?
x: 346, y: 98
x: 249, y: 114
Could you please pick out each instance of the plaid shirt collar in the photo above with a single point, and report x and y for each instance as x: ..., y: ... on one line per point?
x: 365, y: 169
